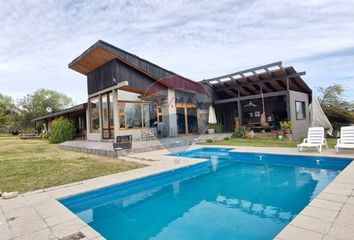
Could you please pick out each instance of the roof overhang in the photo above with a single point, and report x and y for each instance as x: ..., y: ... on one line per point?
x: 273, y: 77
x: 102, y: 52
x: 75, y: 109
x: 94, y: 57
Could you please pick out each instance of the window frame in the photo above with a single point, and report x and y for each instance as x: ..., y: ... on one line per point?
x: 303, y: 109
x: 141, y: 103
x: 98, y: 104
x: 109, y: 96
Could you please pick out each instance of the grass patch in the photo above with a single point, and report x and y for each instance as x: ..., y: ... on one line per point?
x: 263, y: 142
x: 27, y: 165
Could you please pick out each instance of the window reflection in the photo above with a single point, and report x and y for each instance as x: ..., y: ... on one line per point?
x: 94, y: 115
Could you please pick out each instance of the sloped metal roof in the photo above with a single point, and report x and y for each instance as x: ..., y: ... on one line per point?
x: 77, y: 108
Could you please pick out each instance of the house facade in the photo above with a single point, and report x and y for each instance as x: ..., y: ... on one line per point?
x: 128, y: 95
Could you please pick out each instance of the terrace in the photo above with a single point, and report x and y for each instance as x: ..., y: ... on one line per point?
x: 38, y: 215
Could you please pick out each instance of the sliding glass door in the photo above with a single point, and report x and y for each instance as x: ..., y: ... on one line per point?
x: 187, y: 119
x: 107, y: 115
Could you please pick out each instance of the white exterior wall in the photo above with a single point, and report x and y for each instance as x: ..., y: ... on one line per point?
x: 171, y: 110
x: 115, y: 114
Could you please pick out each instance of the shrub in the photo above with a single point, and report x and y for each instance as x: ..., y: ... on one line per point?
x: 286, y: 126
x: 209, y: 140
x: 217, y: 127
x: 62, y: 130
x: 226, y: 138
x: 240, y: 132
x: 14, y: 130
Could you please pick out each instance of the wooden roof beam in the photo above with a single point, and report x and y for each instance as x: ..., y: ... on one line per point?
x: 268, y: 80
x: 245, y: 71
x: 257, y: 96
x: 261, y: 81
x: 272, y: 77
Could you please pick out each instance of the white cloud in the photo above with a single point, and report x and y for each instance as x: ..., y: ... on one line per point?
x: 198, y: 39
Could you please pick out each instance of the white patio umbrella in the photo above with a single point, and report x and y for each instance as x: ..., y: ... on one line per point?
x: 212, y: 117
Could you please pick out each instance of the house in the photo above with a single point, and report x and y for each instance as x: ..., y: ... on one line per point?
x: 128, y: 95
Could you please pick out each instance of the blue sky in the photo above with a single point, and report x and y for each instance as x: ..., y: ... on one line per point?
x: 197, y: 39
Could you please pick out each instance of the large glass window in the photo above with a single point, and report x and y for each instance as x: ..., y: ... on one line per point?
x: 130, y: 115
x: 300, y: 110
x: 138, y: 114
x: 150, y: 114
x: 94, y: 115
x: 121, y: 111
x: 133, y: 115
x: 107, y: 115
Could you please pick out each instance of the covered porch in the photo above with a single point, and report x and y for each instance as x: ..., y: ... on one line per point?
x: 76, y: 114
x: 261, y: 97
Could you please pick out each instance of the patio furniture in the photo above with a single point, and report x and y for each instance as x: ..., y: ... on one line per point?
x: 123, y: 142
x: 254, y: 124
x: 315, y: 138
x: 148, y: 134
x: 173, y: 132
x: 346, y: 139
x: 162, y: 130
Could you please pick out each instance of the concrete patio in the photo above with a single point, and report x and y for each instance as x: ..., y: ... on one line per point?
x: 38, y: 215
x: 106, y: 148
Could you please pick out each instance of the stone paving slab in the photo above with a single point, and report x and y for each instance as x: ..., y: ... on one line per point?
x: 38, y: 214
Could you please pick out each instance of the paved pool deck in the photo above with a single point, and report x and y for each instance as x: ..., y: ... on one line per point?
x: 38, y: 215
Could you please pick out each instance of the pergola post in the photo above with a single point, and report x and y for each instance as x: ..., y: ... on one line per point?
x: 288, y: 99
x: 239, y: 112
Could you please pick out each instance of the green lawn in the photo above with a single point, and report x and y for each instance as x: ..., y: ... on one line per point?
x: 263, y: 142
x: 27, y: 165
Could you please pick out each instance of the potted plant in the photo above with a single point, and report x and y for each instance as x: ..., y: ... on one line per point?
x: 214, y: 128
x: 286, y: 127
x: 210, y: 129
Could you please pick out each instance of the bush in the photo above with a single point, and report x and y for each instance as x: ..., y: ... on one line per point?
x: 217, y: 127
x: 286, y: 126
x: 209, y: 140
x: 240, y: 132
x: 62, y: 130
x: 226, y: 138
x: 14, y: 130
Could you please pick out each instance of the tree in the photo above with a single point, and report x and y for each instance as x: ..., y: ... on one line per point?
x: 339, y: 111
x: 36, y: 104
x: 7, y: 109
x: 6, y: 104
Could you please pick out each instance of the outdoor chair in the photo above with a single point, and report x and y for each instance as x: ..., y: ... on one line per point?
x: 123, y: 142
x: 162, y: 130
x: 148, y: 134
x: 346, y: 139
x: 315, y: 138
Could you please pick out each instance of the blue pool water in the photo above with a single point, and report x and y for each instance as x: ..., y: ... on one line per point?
x: 231, y: 196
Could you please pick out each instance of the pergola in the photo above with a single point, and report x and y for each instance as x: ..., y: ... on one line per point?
x: 268, y: 80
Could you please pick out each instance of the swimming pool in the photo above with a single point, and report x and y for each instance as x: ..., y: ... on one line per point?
x: 231, y: 196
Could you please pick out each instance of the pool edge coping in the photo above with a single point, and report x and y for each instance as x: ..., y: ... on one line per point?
x: 53, y: 211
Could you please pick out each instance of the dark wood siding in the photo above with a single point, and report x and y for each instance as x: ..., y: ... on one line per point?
x: 102, y: 77
x: 148, y: 67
